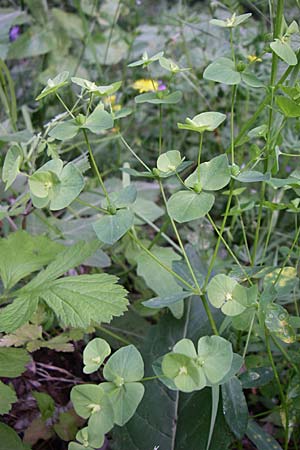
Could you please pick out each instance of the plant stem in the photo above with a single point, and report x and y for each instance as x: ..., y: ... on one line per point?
x: 114, y: 335
x: 232, y: 123
x: 249, y: 335
x: 281, y: 393
x: 201, y: 295
x: 95, y: 167
x: 134, y: 154
x: 164, y: 266
x: 199, y: 155
x: 160, y: 130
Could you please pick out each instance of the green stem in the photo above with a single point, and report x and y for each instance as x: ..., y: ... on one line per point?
x: 115, y: 19
x: 232, y: 46
x: 288, y: 256
x: 232, y: 123
x: 199, y: 155
x: 134, y: 154
x: 164, y: 266
x: 160, y: 130
x: 113, y: 335
x: 249, y: 335
x: 220, y: 234
x: 281, y: 393
x: 64, y: 105
x: 202, y: 296
x: 285, y: 354
x: 95, y: 167
x: 155, y: 377
x: 259, y: 218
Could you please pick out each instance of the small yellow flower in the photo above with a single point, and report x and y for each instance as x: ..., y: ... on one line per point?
x: 144, y: 85
x: 111, y: 100
x: 254, y: 58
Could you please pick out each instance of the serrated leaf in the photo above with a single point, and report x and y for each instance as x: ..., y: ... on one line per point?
x: 7, y: 398
x: 80, y: 301
x: 13, y: 362
x: 22, y: 254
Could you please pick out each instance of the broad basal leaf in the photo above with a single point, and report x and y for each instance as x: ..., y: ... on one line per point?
x: 13, y: 362
x: 22, y: 254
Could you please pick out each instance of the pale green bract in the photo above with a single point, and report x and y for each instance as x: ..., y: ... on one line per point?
x: 206, y: 121
x: 94, y: 354
x: 231, y: 22
x: 53, y: 85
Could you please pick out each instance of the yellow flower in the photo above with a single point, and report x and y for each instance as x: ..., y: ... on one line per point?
x: 254, y: 58
x: 144, y: 85
x: 111, y: 100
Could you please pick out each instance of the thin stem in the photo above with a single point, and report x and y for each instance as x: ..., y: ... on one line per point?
x: 288, y: 256
x: 64, y: 105
x: 199, y: 155
x: 249, y: 335
x: 232, y: 46
x: 281, y: 393
x: 113, y: 335
x: 115, y: 19
x: 285, y: 354
x: 134, y: 154
x: 201, y: 295
x: 220, y: 234
x: 259, y: 218
x: 155, y: 377
x: 232, y: 123
x: 164, y: 266
x: 95, y: 167
x: 160, y: 130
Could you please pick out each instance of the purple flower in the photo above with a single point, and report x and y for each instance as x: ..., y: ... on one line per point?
x: 288, y: 169
x: 161, y: 86
x: 14, y: 33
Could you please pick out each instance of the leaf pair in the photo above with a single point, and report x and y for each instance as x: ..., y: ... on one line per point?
x: 190, y: 370
x: 114, y: 401
x: 223, y: 70
x: 184, y: 206
x: 55, y: 185
x: 99, y: 120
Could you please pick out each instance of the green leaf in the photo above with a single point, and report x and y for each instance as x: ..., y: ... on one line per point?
x: 215, y: 392
x: 7, y: 398
x: 110, y: 228
x: 122, y: 198
x: 124, y: 399
x: 18, y: 136
x: 41, y: 183
x: 231, y: 22
x: 262, y: 439
x: 159, y: 98
x: 288, y: 107
x: 185, y: 347
x: 284, y: 51
x: 22, y: 254
x: 157, y: 422
x: 34, y: 42
x: 11, y: 166
x: 160, y: 281
x: 54, y: 85
x: 169, y: 161
x: 45, y: 404
x: 13, y: 362
x: 125, y: 365
x: 252, y: 176
x: 184, y: 206
x: 93, y: 88
x: 183, y: 371
x: 65, y: 130
x: 222, y: 70
x: 145, y: 60
x: 90, y: 401
x: 162, y: 302
x: 225, y: 293
x: 251, y: 80
x: 277, y: 321
x: 88, y: 437
x: 94, y: 355
x: 259, y: 376
x: 9, y: 438
x: 235, y: 407
x: 207, y: 121
x: 215, y: 357
x: 99, y: 120
x: 213, y: 175
x: 81, y: 300
x: 77, y: 301
x: 70, y: 186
